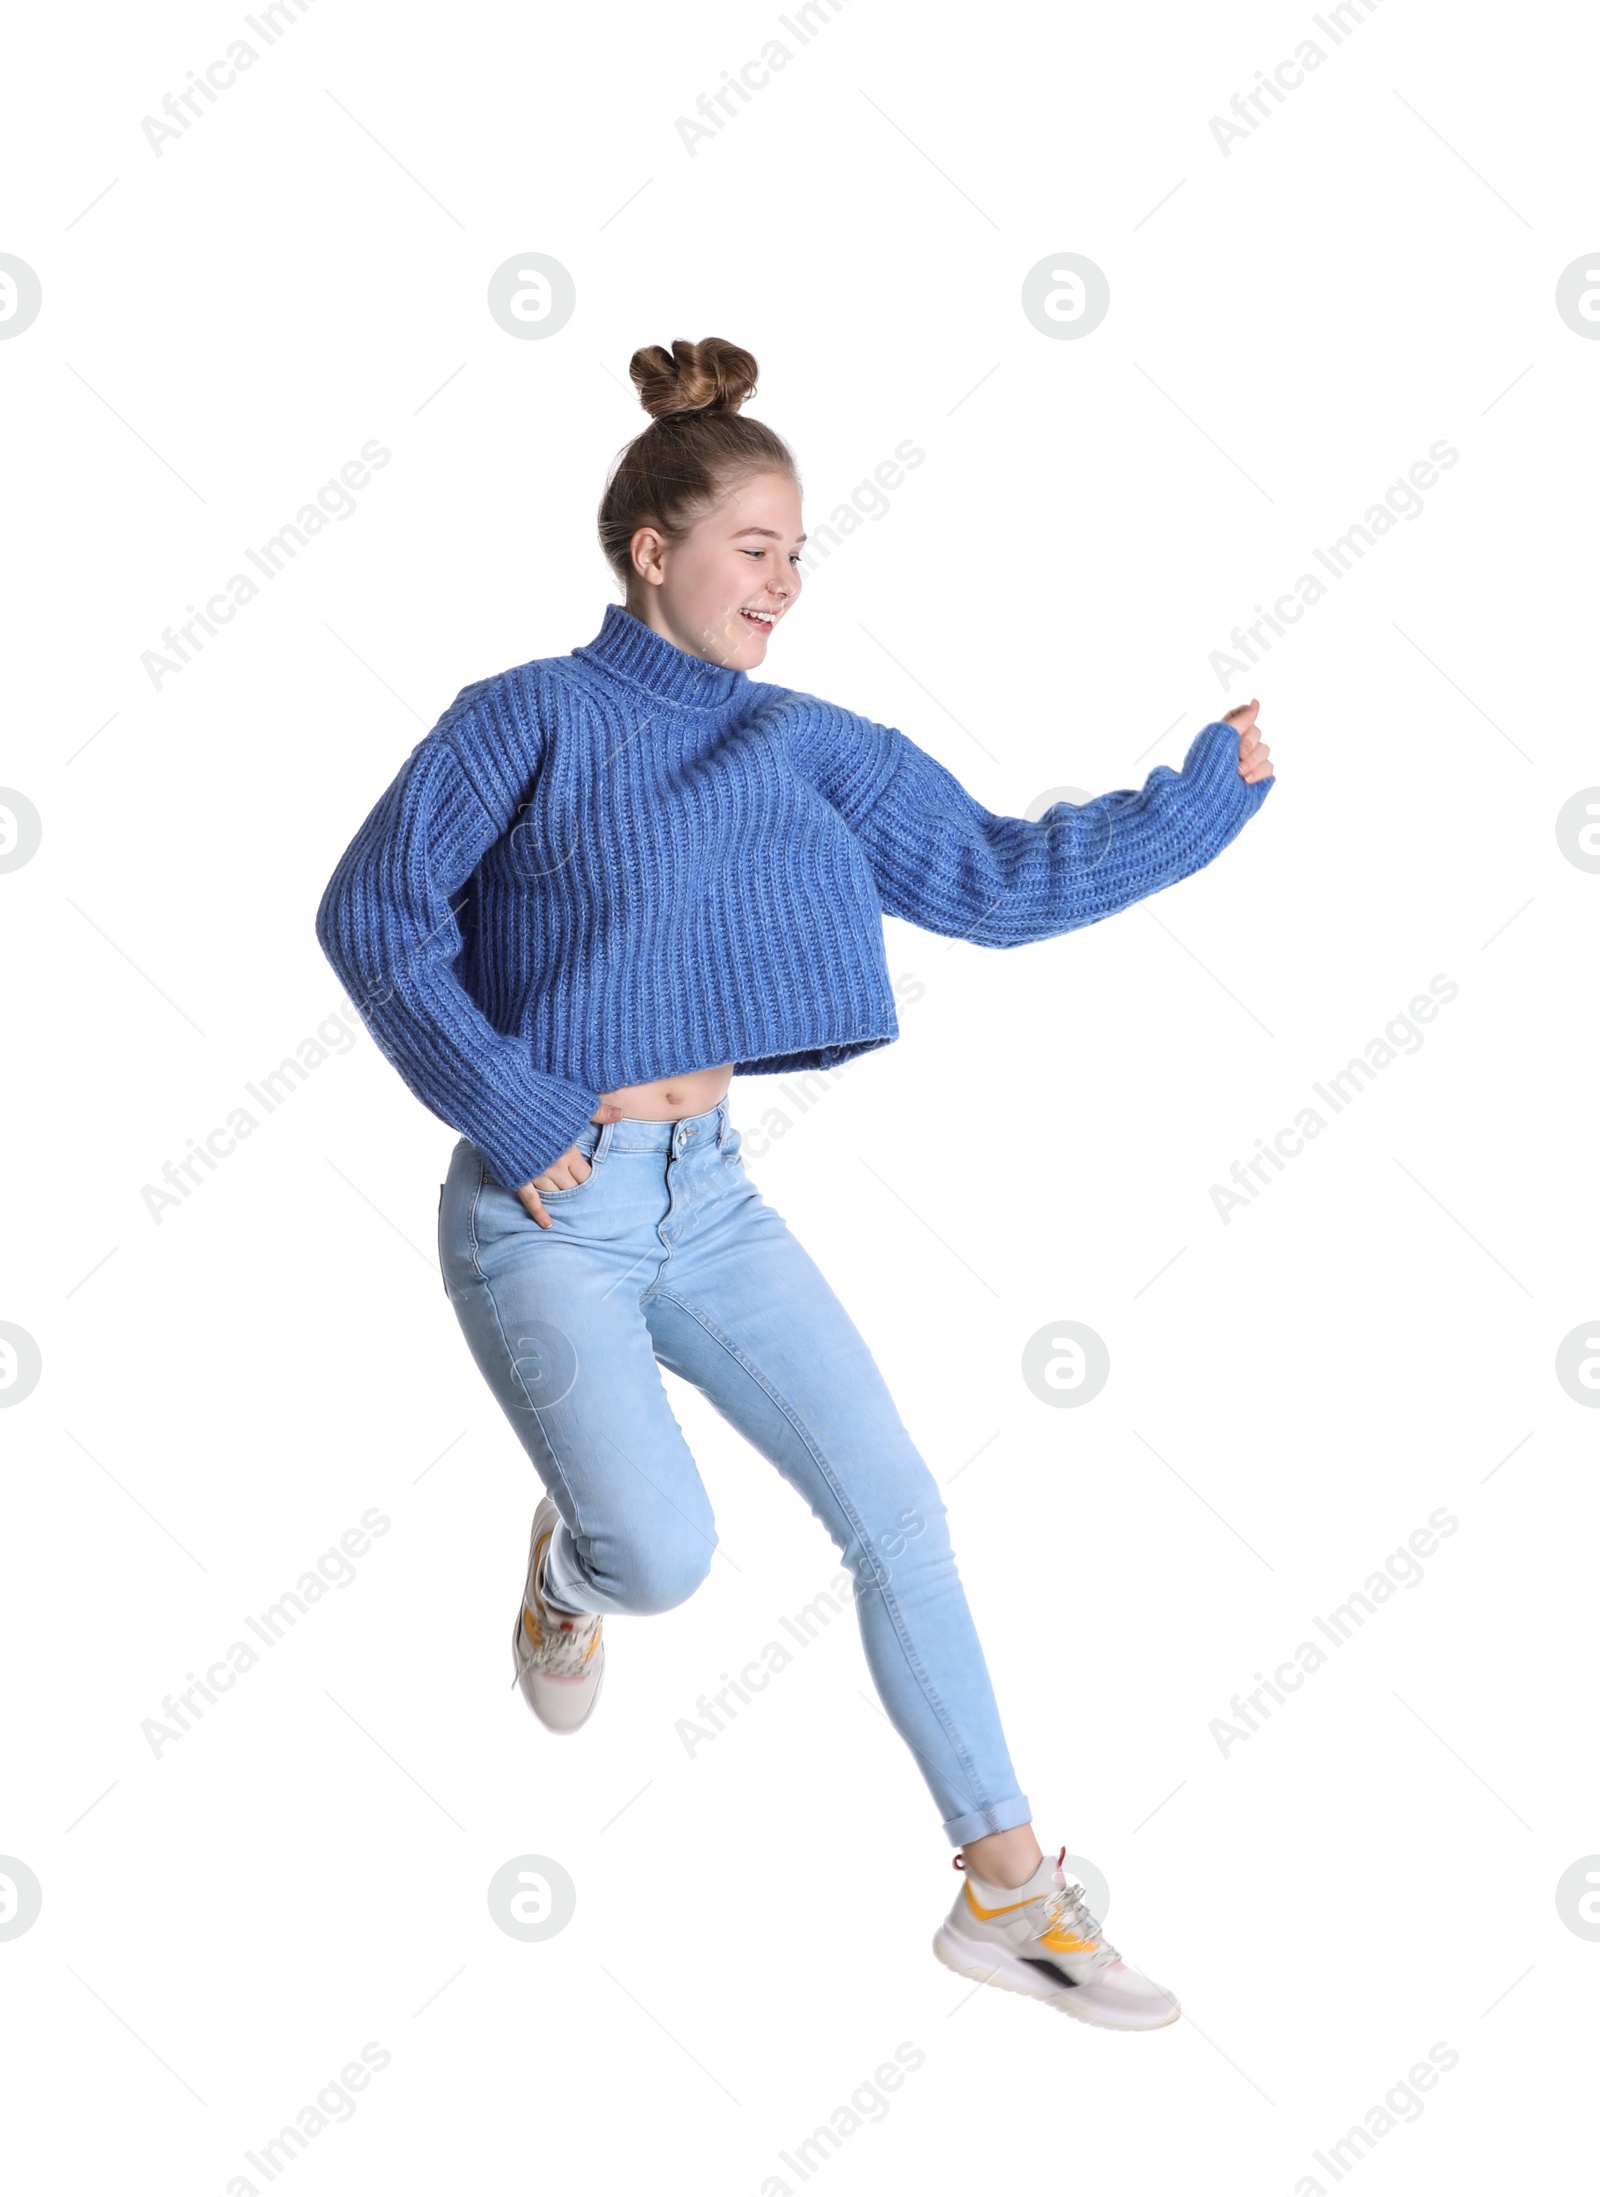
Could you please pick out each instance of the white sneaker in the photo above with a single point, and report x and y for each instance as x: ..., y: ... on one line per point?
x: 559, y: 1659
x: 1041, y: 1940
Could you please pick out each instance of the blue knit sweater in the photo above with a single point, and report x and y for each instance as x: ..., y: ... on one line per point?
x: 624, y: 863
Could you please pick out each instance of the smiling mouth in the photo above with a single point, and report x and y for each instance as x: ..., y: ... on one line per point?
x: 762, y: 620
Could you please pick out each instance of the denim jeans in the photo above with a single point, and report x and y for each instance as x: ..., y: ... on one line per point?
x: 668, y: 1255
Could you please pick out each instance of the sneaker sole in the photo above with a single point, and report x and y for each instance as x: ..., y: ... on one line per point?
x: 562, y: 1731
x: 1010, y: 1974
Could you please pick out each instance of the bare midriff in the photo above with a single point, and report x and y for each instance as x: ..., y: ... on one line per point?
x: 671, y: 1097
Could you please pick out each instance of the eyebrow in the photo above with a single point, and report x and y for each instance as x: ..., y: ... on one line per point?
x: 771, y: 533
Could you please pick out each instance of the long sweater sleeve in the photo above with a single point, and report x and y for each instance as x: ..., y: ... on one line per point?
x: 621, y: 865
x: 943, y: 861
x: 387, y: 924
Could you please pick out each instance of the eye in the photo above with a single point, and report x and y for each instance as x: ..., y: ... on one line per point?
x: 754, y: 553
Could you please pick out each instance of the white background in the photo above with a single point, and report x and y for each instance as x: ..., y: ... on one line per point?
x: 224, y: 1392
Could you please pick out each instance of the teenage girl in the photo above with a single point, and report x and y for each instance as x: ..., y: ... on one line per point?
x: 600, y: 887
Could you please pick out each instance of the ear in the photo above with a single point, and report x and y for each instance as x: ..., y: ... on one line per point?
x: 645, y: 552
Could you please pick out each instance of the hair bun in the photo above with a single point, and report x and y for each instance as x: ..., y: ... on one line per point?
x: 710, y: 376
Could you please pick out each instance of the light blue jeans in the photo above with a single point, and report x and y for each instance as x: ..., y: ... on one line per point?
x: 668, y: 1255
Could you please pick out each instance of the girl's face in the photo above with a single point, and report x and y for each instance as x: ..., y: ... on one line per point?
x: 707, y: 592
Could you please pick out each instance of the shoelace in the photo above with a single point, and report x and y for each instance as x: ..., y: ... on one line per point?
x: 1067, y: 1906
x: 561, y: 1654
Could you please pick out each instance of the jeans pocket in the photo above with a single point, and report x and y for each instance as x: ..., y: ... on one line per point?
x: 563, y: 1197
x: 577, y: 1190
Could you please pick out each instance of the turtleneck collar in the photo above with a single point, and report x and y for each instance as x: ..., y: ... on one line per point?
x: 626, y: 648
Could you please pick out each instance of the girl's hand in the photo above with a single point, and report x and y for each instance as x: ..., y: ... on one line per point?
x: 1254, y: 759
x: 564, y: 1173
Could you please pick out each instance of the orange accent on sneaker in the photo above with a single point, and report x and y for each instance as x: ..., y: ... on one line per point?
x: 1057, y: 1940
x: 530, y: 1626
x: 984, y: 1913
x: 594, y: 1643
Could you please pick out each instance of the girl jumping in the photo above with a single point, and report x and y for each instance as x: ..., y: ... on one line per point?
x: 603, y: 885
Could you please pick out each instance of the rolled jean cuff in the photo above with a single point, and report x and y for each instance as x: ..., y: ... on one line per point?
x: 1004, y: 1815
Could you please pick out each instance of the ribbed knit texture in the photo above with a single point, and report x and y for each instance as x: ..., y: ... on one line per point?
x: 625, y: 863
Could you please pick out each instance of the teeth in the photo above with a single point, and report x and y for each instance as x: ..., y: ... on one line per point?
x: 769, y: 617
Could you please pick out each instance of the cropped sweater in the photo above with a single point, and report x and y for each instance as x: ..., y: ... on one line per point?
x: 627, y: 863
